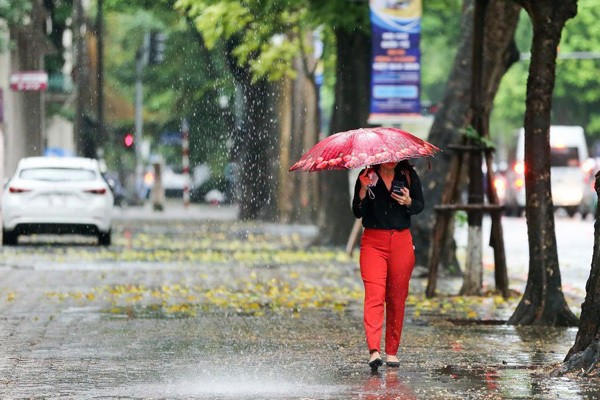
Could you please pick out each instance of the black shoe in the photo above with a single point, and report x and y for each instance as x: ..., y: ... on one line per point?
x: 376, y: 363
x: 394, y: 364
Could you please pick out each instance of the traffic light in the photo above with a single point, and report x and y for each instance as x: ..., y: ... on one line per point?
x: 128, y: 141
x: 156, y: 48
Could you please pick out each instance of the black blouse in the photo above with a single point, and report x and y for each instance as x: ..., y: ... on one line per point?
x: 383, y: 212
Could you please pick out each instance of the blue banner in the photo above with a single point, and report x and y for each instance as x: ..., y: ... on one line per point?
x: 396, y: 58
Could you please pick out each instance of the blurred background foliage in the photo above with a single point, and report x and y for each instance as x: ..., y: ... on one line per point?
x: 194, y: 80
x: 576, y: 93
x: 14, y: 13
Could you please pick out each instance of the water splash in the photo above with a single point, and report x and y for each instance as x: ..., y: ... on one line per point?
x: 234, y: 385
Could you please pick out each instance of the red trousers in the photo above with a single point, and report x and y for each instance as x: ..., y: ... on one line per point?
x: 387, y: 259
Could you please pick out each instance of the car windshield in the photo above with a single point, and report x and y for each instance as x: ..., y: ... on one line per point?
x: 58, y: 174
x: 565, y: 157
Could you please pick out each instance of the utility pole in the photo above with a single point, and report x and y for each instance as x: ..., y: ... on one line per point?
x: 150, y: 53
x: 79, y: 77
x: 100, y: 75
x: 141, y: 61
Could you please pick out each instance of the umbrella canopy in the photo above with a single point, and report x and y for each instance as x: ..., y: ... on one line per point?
x: 363, y: 147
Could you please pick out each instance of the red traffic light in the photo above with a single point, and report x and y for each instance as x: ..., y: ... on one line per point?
x: 128, y: 140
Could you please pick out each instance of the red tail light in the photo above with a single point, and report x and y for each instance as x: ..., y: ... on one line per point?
x: 96, y: 191
x: 14, y: 189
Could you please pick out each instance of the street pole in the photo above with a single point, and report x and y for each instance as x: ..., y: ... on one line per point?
x: 100, y: 76
x: 141, y: 61
x: 80, y: 74
x: 138, y: 123
x: 185, y: 161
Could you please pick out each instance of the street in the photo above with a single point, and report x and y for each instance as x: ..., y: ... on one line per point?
x: 575, y: 241
x: 170, y: 132
x: 180, y: 307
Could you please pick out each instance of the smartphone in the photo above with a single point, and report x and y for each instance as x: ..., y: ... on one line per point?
x: 397, y: 187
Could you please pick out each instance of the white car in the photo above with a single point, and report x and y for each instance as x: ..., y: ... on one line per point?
x: 571, y: 173
x: 63, y: 195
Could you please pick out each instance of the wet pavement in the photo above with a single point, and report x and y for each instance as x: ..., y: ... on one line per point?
x: 183, y: 308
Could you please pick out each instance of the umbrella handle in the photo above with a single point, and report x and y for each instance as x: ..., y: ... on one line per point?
x: 374, y: 179
x: 370, y: 193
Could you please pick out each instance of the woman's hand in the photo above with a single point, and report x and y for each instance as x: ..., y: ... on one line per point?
x: 404, y: 198
x: 365, y: 182
x: 365, y: 179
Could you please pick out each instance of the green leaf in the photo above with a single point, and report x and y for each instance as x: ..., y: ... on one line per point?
x: 472, y: 134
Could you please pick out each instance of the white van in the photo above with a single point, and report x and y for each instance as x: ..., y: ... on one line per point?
x: 571, y: 172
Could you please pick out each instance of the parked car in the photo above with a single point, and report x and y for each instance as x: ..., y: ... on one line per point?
x: 570, y: 173
x: 62, y: 195
x: 174, y: 181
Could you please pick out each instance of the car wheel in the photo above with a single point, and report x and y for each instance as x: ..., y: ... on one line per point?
x: 571, y: 211
x: 586, y: 209
x: 9, y: 238
x: 104, y: 238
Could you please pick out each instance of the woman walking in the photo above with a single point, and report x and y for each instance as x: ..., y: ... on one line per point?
x: 385, y: 197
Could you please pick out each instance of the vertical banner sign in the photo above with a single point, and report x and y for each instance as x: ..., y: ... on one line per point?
x: 396, y: 59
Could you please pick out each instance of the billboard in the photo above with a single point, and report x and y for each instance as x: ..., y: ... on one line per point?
x: 396, y: 59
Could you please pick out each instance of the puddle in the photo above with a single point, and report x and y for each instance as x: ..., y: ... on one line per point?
x: 515, y: 382
x: 463, y: 322
x: 243, y: 385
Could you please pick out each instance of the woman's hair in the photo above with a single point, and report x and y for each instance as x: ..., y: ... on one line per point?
x: 404, y: 164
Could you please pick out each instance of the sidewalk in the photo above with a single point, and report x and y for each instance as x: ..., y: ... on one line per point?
x: 223, y: 310
x: 174, y: 210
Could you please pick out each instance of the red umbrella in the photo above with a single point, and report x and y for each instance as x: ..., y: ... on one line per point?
x: 363, y: 147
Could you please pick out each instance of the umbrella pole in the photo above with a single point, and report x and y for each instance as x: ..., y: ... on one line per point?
x: 496, y: 235
x: 354, y: 234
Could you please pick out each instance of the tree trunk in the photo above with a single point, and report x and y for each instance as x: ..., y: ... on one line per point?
x: 500, y: 53
x: 84, y: 141
x: 351, y: 111
x: 473, y: 276
x: 255, y: 143
x: 305, y: 133
x: 256, y: 148
x: 543, y: 302
x: 309, y: 198
x: 287, y: 183
x: 585, y: 353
